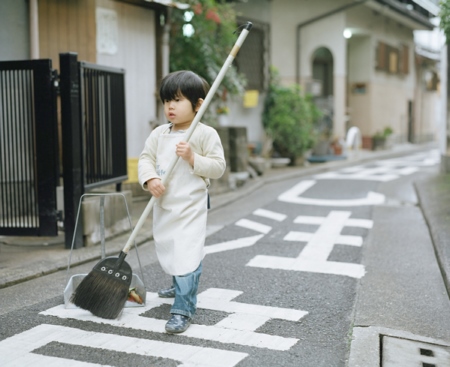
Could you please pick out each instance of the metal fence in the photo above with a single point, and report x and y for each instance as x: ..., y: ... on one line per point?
x: 28, y: 149
x: 103, y: 121
x: 94, y: 133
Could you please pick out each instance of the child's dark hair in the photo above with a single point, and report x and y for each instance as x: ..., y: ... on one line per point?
x: 185, y: 82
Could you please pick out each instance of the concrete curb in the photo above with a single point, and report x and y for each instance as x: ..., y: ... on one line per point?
x: 432, y: 193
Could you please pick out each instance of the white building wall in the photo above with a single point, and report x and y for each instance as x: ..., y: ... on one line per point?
x: 328, y: 33
x: 286, y: 16
x: 360, y: 55
x: 251, y: 118
x: 135, y: 52
x: 386, y: 97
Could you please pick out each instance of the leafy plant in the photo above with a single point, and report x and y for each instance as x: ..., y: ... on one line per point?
x: 444, y: 15
x: 201, y: 39
x: 289, y: 119
x: 380, y: 138
x: 384, y: 134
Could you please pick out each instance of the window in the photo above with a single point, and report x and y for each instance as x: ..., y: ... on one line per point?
x: 393, y: 60
x: 251, y: 59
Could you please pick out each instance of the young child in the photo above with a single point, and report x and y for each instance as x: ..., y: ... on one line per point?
x: 180, y: 210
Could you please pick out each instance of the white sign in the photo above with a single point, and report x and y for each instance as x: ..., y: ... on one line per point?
x: 107, y: 31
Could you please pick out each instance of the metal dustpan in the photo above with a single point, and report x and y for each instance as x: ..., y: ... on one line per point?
x: 137, y: 284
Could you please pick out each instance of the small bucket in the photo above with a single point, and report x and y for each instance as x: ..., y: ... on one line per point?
x: 137, y: 283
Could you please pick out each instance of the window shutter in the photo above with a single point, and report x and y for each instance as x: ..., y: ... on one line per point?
x: 381, y: 56
x: 404, y: 60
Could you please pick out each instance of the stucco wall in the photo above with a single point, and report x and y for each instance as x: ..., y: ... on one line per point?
x: 287, y: 15
x: 427, y: 111
x: 386, y: 97
x: 135, y: 52
x: 385, y: 101
x: 251, y: 118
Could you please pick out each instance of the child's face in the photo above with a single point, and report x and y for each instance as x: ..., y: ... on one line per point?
x: 179, y: 112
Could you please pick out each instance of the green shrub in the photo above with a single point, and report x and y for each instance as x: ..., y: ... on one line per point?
x: 205, y: 50
x: 289, y: 119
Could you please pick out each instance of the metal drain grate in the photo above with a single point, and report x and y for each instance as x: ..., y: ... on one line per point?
x: 398, y: 352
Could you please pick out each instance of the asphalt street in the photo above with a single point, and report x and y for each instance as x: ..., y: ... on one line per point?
x: 331, y: 267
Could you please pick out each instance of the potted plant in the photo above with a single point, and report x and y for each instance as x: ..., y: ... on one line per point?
x: 288, y: 119
x: 380, y: 138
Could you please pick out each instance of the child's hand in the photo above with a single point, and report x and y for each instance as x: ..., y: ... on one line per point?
x: 184, y: 151
x: 155, y: 187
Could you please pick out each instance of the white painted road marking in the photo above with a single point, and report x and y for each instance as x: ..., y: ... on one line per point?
x: 17, y: 351
x: 226, y: 331
x: 270, y: 214
x: 382, y: 174
x: 386, y: 170
x: 255, y: 226
x: 247, y: 241
x: 233, y: 245
x: 313, y: 258
x: 293, y: 195
x: 351, y: 222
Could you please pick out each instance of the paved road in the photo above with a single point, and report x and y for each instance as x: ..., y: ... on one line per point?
x: 285, y: 267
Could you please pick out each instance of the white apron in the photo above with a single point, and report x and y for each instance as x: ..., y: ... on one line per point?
x: 180, y: 228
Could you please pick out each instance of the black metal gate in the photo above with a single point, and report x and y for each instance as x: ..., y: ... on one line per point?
x: 28, y: 149
x: 93, y: 141
x: 103, y: 115
x: 94, y: 133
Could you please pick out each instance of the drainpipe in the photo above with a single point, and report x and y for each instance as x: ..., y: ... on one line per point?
x: 34, y: 30
x: 313, y: 20
x: 165, y: 47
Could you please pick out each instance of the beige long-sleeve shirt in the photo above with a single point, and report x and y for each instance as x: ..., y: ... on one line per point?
x: 209, y: 160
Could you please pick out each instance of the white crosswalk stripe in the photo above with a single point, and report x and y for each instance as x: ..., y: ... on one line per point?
x: 255, y: 226
x: 270, y: 214
x: 226, y: 331
x: 17, y: 351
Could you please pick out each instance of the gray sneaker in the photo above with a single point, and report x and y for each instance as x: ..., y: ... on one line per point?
x: 167, y: 293
x: 178, y: 324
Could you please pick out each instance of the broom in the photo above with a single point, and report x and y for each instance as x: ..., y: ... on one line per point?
x: 104, y: 290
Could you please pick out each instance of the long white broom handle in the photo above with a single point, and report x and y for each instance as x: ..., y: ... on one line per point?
x: 191, y: 129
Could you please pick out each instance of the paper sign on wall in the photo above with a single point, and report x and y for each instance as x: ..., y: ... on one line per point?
x: 107, y: 31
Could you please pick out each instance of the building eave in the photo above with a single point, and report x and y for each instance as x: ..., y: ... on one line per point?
x: 157, y: 4
x: 400, y: 11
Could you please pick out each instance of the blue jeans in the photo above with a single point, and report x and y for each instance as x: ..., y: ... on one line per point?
x: 186, y: 287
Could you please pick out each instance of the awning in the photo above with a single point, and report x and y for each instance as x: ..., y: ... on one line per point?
x: 428, y: 5
x: 416, y: 19
x: 170, y: 3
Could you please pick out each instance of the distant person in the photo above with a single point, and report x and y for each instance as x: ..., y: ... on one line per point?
x: 180, y: 211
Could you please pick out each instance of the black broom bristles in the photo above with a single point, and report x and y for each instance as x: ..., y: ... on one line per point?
x: 101, y: 294
x: 105, y: 289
